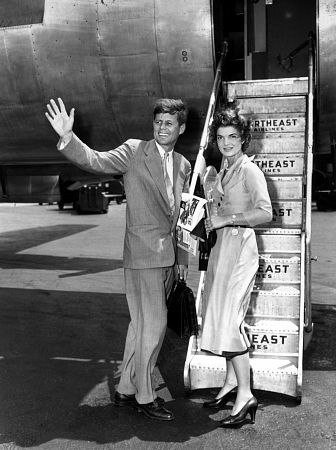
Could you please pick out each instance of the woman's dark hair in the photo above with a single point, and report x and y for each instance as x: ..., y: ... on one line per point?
x: 171, y: 106
x: 229, y: 117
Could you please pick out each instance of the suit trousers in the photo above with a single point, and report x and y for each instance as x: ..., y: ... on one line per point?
x: 146, y: 293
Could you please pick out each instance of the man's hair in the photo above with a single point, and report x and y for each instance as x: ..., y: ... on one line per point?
x: 230, y: 117
x: 171, y: 106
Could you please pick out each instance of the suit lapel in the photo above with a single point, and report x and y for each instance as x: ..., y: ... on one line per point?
x: 154, y: 164
x: 233, y: 170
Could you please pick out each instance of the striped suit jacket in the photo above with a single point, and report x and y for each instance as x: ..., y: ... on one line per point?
x: 150, y: 238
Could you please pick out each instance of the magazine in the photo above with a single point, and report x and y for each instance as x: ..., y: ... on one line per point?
x: 191, y: 212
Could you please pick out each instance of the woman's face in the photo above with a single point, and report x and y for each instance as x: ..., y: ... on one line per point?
x: 229, y: 142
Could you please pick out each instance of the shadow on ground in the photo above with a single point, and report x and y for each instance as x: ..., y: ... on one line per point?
x: 15, y: 242
x: 60, y: 362
x: 61, y: 354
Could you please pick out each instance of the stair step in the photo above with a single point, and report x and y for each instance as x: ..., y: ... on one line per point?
x: 276, y: 290
x: 278, y: 123
x: 275, y: 374
x: 278, y: 243
x: 204, y: 361
x: 285, y: 188
x: 286, y: 143
x: 273, y: 340
x: 279, y: 301
x: 278, y: 231
x: 281, y: 366
x: 278, y: 270
x: 263, y: 88
x: 204, y: 371
x: 253, y: 106
x: 255, y: 324
x: 286, y: 214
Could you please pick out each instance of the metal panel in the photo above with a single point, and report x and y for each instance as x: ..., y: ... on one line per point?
x: 271, y: 325
x: 66, y: 62
x: 21, y: 12
x: 284, y: 188
x: 275, y: 375
x: 277, y: 143
x: 133, y: 20
x: 206, y: 371
x: 17, y: 56
x: 109, y: 59
x: 73, y: 15
x: 269, y: 105
x: 286, y: 214
x: 279, y: 243
x: 278, y: 123
x: 281, y: 301
x: 186, y: 50
x: 273, y: 164
x: 128, y: 58
x: 265, y: 341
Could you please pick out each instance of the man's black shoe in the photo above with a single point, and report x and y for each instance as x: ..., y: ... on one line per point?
x: 154, y: 410
x: 160, y: 401
x: 123, y: 399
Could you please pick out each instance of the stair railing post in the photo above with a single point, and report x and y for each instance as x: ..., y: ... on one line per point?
x: 309, y: 171
x: 209, y: 116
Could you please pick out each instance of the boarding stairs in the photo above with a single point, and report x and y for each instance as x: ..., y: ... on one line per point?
x: 278, y: 322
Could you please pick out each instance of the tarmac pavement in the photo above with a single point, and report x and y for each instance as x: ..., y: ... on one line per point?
x: 63, y: 322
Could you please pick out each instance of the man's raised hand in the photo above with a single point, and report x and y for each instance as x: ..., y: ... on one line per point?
x: 60, y: 120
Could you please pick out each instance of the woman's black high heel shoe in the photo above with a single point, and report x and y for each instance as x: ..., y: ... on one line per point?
x: 250, y: 407
x: 219, y: 402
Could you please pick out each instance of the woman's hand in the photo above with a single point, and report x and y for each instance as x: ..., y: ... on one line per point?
x: 59, y: 119
x: 215, y: 222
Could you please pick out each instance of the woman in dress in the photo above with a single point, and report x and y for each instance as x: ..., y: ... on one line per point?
x: 240, y: 202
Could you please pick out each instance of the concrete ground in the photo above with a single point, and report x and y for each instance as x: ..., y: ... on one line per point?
x: 63, y: 320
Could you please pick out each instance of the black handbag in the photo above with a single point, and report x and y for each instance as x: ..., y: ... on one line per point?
x: 182, y: 317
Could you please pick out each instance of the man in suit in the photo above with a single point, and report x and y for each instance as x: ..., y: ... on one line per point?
x: 154, y: 179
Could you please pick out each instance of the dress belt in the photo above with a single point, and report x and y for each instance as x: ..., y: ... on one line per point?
x: 237, y: 226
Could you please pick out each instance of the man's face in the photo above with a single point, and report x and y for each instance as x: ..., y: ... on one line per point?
x: 167, y: 130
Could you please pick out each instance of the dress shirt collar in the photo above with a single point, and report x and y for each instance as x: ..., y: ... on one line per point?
x: 236, y: 165
x: 170, y: 165
x: 162, y: 151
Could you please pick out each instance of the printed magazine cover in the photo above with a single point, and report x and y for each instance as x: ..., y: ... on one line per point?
x: 191, y: 212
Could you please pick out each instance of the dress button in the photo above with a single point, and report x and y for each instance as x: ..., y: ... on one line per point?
x: 234, y: 231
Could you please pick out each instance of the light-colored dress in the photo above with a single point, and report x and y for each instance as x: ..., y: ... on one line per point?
x: 233, y: 261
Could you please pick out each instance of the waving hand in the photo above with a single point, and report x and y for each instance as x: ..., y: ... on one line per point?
x: 59, y: 119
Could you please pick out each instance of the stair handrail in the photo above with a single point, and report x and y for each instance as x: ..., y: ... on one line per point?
x: 309, y: 171
x: 289, y: 58
x: 210, y: 113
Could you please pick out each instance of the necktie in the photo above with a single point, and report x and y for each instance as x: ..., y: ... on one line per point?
x: 168, y: 183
